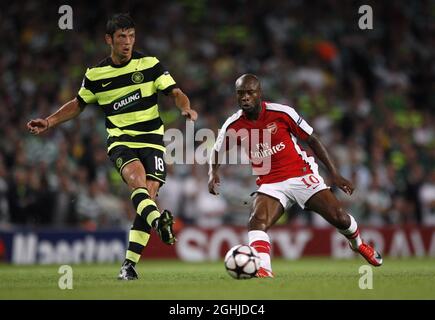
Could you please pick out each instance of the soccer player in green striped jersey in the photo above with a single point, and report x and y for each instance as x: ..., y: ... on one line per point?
x: 125, y: 85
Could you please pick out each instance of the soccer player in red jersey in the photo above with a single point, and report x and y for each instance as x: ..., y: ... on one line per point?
x: 292, y: 176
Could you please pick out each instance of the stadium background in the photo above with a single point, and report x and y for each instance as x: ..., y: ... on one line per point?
x: 369, y: 94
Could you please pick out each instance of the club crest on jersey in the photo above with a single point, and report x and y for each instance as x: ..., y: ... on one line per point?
x: 137, y: 77
x: 119, y: 163
x: 272, y: 127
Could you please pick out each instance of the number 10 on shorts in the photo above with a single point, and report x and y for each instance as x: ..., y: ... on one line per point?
x: 310, y: 181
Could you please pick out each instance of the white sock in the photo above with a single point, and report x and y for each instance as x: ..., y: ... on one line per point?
x: 260, y: 241
x: 352, y: 233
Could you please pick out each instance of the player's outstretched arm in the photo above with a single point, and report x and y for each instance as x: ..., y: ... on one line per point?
x: 69, y: 110
x: 183, y: 103
x: 320, y: 151
x: 213, y: 176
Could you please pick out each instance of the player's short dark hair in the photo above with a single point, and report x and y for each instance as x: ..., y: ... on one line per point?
x: 119, y: 21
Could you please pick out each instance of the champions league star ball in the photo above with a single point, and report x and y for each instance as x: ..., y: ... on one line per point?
x: 242, y: 262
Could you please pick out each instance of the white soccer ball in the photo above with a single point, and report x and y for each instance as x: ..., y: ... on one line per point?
x: 242, y: 262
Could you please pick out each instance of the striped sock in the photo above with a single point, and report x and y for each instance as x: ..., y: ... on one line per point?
x: 147, y: 213
x: 352, y: 233
x: 260, y: 241
x: 137, y: 239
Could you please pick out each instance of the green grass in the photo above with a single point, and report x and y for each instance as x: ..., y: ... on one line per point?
x: 308, y: 278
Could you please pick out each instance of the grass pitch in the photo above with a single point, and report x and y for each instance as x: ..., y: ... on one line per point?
x: 308, y: 278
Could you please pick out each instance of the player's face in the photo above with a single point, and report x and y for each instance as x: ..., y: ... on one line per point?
x: 248, y: 96
x: 123, y: 42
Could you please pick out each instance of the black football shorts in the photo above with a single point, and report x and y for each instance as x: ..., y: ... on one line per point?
x: 152, y: 160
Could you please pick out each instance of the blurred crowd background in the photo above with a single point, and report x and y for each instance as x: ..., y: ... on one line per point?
x: 369, y: 94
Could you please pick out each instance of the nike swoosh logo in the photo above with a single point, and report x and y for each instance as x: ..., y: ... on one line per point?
x: 106, y: 84
x: 315, y: 187
x: 158, y: 174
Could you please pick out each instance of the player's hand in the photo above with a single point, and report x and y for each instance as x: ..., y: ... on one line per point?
x: 190, y: 114
x: 343, y: 184
x: 37, y: 126
x: 213, y: 184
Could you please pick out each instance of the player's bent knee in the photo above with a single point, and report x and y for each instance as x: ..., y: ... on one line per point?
x: 137, y: 182
x: 134, y: 175
x: 134, y: 179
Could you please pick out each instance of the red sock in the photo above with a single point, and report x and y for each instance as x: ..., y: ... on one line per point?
x: 263, y: 249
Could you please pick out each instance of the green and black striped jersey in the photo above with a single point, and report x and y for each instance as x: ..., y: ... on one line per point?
x: 127, y: 94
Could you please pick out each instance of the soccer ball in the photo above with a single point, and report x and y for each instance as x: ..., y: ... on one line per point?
x: 242, y: 262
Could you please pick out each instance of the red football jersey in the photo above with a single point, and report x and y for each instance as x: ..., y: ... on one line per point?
x: 270, y: 142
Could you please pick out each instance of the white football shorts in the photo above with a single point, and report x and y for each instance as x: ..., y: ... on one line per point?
x: 294, y: 190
